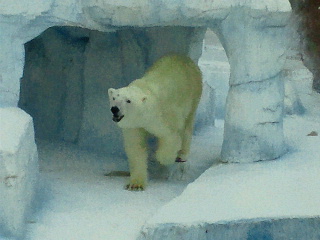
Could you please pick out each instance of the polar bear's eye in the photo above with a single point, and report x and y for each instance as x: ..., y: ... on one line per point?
x: 128, y: 101
x: 113, y: 99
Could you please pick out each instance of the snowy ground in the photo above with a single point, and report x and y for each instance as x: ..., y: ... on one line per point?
x: 79, y: 202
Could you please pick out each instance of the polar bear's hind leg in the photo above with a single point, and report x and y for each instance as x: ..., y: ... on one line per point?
x: 186, y: 138
x: 168, y: 149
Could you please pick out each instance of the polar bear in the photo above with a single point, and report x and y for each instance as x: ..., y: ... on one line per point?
x: 162, y: 103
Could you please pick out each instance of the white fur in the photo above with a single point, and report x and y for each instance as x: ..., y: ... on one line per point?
x: 162, y: 103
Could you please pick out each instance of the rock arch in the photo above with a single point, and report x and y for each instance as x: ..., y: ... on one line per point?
x: 252, y: 33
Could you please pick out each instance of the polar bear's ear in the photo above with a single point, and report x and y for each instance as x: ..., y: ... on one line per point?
x: 111, y: 91
x: 145, y: 97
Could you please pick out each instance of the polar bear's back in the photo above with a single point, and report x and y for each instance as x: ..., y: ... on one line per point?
x: 174, y: 79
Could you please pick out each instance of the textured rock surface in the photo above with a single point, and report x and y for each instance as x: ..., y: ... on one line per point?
x: 307, y: 14
x: 18, y: 170
x: 294, y: 229
x: 254, y: 129
x: 246, y: 30
x: 254, y: 108
x: 108, y: 16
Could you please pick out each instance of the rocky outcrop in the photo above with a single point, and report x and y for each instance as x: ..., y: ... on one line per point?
x: 18, y: 170
x: 308, y: 17
x: 115, y: 56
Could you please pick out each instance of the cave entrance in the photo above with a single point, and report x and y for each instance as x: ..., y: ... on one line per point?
x: 215, y: 70
x: 68, y: 70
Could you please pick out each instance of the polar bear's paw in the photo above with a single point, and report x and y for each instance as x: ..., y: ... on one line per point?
x: 136, y: 184
x: 134, y: 187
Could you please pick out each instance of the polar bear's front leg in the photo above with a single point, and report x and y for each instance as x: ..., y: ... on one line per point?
x: 168, y: 148
x: 136, y: 150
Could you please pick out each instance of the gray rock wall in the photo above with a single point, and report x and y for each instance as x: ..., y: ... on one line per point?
x: 52, y: 84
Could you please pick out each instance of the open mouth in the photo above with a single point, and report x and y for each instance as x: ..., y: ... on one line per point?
x: 117, y: 118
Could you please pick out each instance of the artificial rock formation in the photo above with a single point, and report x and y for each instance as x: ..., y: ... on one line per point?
x: 18, y: 170
x: 113, y: 42
x: 136, y: 34
x: 254, y: 110
x: 308, y: 19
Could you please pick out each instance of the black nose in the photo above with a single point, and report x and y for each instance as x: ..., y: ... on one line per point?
x: 115, y: 110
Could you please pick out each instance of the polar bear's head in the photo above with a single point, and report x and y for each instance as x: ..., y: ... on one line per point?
x: 127, y: 105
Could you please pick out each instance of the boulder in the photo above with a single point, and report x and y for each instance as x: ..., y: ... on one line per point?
x: 18, y: 170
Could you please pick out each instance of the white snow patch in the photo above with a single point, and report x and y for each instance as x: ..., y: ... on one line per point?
x: 285, y: 188
x: 79, y: 202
